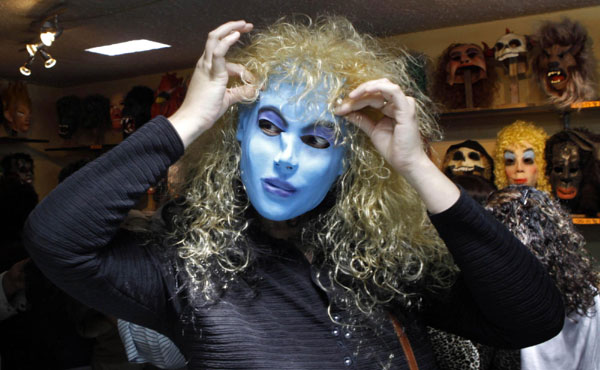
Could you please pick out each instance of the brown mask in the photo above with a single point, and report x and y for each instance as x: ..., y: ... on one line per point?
x: 17, y: 107
x: 566, y: 174
x: 557, y: 61
x: 465, y: 57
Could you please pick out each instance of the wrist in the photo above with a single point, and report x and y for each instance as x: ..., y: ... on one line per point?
x: 187, y: 126
x: 418, y: 169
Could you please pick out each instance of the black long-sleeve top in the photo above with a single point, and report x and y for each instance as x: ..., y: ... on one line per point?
x: 503, y: 297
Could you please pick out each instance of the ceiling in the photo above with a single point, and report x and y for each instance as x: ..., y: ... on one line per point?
x: 185, y: 23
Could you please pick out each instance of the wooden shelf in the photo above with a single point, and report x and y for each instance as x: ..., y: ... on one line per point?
x: 516, y: 109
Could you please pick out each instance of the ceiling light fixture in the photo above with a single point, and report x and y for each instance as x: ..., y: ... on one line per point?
x: 33, y: 48
x: 25, y: 69
x: 133, y: 46
x: 49, y: 62
x: 49, y: 32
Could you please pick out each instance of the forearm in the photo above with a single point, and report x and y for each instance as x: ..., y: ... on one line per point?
x: 436, y: 190
x: 85, y: 211
x: 508, y: 299
x: 71, y: 235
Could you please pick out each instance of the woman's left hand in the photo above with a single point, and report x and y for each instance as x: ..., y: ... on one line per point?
x: 396, y: 135
x: 397, y: 138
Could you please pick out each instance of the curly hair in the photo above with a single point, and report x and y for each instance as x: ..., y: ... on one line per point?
x: 546, y: 229
x: 373, y: 239
x: 581, y: 85
x: 515, y: 134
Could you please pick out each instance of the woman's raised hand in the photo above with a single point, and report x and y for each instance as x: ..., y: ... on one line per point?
x: 208, y: 97
x: 396, y: 134
x: 396, y: 137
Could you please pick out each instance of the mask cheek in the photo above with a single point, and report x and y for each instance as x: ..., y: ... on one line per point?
x: 342, y: 161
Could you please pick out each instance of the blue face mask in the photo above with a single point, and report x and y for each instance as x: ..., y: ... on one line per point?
x: 290, y: 158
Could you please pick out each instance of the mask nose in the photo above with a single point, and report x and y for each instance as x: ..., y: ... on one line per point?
x: 553, y: 65
x: 519, y: 166
x: 286, y: 162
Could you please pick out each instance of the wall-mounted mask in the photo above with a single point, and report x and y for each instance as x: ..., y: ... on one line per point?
x: 69, y: 112
x: 565, y: 172
x: 168, y: 96
x: 468, y: 157
x: 17, y: 108
x: 465, y: 57
x: 574, y: 170
x: 116, y: 110
x: 564, y: 64
x: 18, y: 166
x: 511, y: 45
x: 136, y: 109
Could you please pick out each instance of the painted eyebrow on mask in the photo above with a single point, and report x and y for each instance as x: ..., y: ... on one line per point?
x: 323, y: 128
x: 274, y: 116
x: 529, y: 154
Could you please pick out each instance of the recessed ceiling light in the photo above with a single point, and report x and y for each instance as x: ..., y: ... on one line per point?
x: 133, y: 46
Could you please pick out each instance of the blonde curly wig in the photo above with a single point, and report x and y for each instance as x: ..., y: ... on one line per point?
x: 374, y: 241
x: 515, y: 134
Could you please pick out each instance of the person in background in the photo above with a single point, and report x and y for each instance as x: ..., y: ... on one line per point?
x: 302, y: 239
x: 546, y: 229
x: 144, y: 345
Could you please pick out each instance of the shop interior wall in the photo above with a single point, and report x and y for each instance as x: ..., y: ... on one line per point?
x: 44, y: 125
x: 484, y: 128
x: 431, y: 43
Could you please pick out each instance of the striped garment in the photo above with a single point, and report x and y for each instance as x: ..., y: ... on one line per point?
x: 144, y: 345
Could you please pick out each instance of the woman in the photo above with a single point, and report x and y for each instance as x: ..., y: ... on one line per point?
x: 547, y: 230
x: 297, y: 238
x: 541, y: 224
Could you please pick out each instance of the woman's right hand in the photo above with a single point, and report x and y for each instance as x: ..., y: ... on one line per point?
x: 207, y: 96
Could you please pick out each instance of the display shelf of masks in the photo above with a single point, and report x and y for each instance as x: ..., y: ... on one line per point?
x: 551, y: 69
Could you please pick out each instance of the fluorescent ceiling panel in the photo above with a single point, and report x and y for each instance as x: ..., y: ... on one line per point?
x: 133, y: 46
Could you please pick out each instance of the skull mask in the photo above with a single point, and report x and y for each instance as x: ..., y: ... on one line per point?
x: 509, y: 46
x: 465, y: 57
x: 468, y: 157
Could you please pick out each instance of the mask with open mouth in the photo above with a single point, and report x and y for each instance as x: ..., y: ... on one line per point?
x: 557, y: 60
x: 463, y: 58
x: 573, y: 169
x: 448, y: 80
x: 468, y: 157
x: 563, y: 63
